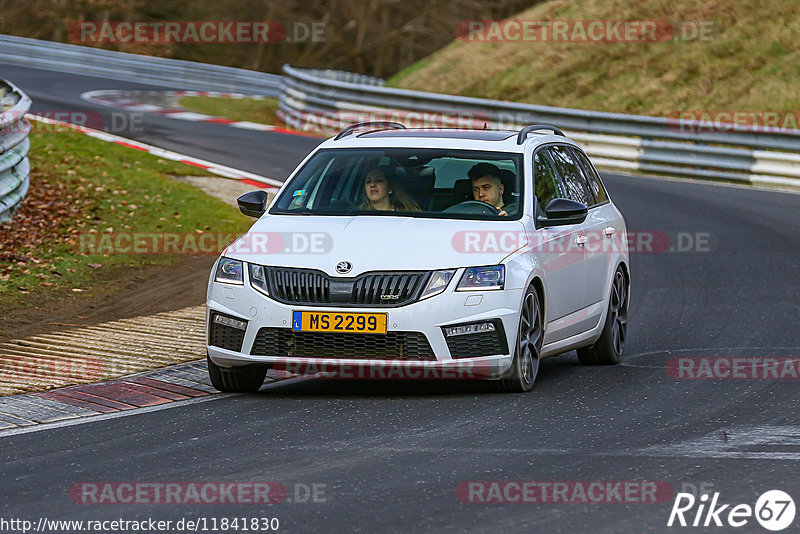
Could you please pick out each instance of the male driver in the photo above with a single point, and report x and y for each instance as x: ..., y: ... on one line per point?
x: 487, y: 186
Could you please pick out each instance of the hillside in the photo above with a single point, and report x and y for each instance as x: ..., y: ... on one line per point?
x: 746, y: 57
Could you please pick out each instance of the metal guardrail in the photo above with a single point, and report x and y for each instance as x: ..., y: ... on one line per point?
x: 616, y: 141
x: 345, y: 76
x: 90, y: 61
x: 14, y: 145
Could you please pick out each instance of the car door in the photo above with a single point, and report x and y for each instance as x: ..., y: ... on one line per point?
x: 563, y: 259
x: 577, y: 188
x: 604, y: 230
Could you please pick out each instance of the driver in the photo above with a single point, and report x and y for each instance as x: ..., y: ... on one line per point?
x: 487, y: 186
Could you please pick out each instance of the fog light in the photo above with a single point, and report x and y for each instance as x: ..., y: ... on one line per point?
x: 474, y: 328
x: 230, y: 321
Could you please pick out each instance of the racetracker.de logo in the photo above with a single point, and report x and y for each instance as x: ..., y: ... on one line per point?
x: 336, y: 121
x: 564, y: 492
x: 733, y: 368
x: 196, y: 32
x: 559, y: 242
x: 13, y: 367
x: 583, y: 31
x: 177, y: 493
x: 733, y: 121
x: 203, y: 243
x: 386, y: 370
x: 111, y: 122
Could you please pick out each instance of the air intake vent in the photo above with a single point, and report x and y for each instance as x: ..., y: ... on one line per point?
x: 284, y: 342
x: 223, y: 335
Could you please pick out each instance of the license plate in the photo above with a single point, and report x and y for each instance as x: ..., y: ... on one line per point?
x: 354, y: 323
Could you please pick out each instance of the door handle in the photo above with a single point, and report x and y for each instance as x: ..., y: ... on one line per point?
x: 610, y: 231
x: 581, y: 240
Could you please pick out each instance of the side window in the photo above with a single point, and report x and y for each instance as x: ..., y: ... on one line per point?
x: 575, y: 185
x: 544, y: 179
x: 591, y: 176
x: 341, y: 182
x: 305, y: 197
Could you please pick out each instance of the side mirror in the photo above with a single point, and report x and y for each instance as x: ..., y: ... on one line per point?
x: 562, y: 211
x: 253, y: 203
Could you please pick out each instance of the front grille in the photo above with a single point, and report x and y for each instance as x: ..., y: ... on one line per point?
x: 480, y: 344
x: 225, y: 337
x: 311, y: 287
x: 295, y: 286
x: 409, y: 346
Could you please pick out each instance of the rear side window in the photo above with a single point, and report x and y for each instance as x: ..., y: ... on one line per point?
x: 544, y: 179
x: 592, y: 177
x: 575, y: 185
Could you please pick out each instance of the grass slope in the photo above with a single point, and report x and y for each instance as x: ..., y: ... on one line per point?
x: 82, y: 187
x: 751, y: 61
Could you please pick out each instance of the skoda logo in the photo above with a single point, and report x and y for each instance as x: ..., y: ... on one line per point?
x: 343, y: 267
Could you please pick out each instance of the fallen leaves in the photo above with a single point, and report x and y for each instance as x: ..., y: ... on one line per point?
x: 49, y: 207
x: 52, y: 213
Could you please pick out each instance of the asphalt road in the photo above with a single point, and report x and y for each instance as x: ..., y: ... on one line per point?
x: 266, y: 153
x: 388, y: 456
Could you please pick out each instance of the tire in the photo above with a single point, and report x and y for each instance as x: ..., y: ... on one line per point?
x: 245, y: 379
x: 528, y: 349
x: 608, y: 349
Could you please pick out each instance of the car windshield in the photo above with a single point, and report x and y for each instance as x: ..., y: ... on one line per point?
x: 410, y: 182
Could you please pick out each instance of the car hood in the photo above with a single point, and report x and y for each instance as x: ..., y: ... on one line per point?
x: 374, y: 243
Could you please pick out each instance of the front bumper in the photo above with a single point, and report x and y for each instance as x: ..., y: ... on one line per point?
x: 426, y: 317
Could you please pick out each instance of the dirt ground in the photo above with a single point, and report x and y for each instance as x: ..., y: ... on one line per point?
x: 121, y: 294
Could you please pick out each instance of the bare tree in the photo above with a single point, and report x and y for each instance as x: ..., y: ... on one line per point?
x: 377, y: 37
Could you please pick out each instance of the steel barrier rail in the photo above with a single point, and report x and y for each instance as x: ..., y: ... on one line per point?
x: 345, y: 76
x: 14, y: 145
x: 90, y: 61
x: 614, y: 141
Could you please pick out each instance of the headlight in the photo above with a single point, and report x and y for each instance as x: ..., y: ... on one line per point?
x: 483, y: 278
x: 258, y: 278
x: 437, y: 283
x: 229, y: 271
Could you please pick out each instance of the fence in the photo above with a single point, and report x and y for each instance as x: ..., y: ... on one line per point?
x: 14, y: 144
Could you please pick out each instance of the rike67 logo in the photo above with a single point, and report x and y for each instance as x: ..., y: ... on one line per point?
x: 774, y: 510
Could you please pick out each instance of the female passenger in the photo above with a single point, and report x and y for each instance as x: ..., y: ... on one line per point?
x: 380, y: 192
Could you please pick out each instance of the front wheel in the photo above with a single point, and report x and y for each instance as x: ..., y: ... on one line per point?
x: 525, y: 366
x: 608, y: 349
x: 245, y: 379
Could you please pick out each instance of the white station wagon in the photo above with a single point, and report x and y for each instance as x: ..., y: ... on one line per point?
x: 410, y: 253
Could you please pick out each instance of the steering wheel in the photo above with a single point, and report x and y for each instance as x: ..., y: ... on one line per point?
x: 473, y: 207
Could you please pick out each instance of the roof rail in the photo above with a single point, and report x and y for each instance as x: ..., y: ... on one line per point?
x: 523, y: 133
x: 384, y: 125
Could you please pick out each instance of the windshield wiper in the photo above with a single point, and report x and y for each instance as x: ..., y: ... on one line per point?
x: 298, y: 211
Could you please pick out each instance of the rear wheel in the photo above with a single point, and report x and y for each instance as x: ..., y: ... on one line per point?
x: 608, y: 349
x: 245, y: 379
x: 525, y: 366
